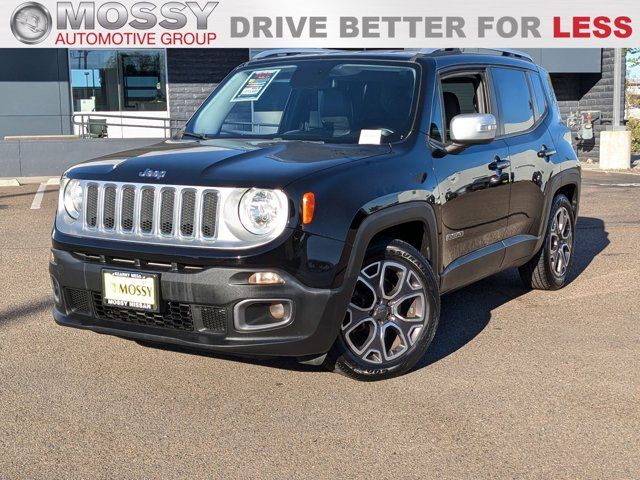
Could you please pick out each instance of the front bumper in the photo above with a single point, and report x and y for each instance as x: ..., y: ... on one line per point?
x: 198, y: 309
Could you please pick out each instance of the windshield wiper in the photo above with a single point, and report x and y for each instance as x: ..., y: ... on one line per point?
x: 199, y: 136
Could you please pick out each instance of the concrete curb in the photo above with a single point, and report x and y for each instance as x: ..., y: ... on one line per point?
x: 594, y: 167
x: 19, y: 181
x: 9, y: 182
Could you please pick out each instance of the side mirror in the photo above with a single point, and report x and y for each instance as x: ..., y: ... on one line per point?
x: 473, y: 128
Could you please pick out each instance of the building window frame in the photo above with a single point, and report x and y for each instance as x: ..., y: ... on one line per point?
x: 121, y: 110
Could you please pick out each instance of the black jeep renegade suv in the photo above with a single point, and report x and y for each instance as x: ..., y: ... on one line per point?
x: 318, y: 204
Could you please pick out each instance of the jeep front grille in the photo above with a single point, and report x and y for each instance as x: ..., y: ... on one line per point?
x: 176, y: 215
x: 151, y: 213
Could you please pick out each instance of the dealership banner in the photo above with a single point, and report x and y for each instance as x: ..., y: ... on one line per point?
x: 326, y: 23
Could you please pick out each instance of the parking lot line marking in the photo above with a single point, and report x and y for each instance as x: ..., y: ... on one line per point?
x: 37, y: 200
x: 618, y: 184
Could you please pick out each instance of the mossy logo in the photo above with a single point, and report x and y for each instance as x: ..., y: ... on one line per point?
x: 31, y: 23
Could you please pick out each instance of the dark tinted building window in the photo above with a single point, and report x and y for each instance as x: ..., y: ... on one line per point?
x: 118, y: 80
x: 516, y: 105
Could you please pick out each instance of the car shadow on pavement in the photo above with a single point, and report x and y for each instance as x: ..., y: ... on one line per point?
x: 591, y: 239
x: 283, y: 363
x: 24, y: 194
x: 466, y: 312
x: 4, y: 199
x: 15, y: 314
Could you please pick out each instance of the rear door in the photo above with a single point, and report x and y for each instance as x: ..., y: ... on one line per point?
x: 523, y: 113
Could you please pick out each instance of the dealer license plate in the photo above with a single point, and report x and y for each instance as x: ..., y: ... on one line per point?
x: 132, y: 290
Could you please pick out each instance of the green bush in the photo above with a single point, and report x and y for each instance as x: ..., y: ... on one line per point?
x: 634, y: 126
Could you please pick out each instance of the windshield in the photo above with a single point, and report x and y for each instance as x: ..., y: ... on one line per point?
x: 327, y: 101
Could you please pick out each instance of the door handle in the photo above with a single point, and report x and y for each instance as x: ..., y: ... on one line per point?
x: 546, y: 152
x: 499, y: 164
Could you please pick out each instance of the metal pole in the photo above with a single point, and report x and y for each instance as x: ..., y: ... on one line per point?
x: 618, y: 88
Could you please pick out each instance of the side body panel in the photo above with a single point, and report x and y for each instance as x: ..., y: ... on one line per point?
x: 529, y: 176
x: 473, y: 200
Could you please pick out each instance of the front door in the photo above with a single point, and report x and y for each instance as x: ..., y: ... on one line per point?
x: 473, y: 191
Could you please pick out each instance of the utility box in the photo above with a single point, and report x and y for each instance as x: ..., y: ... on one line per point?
x: 615, y: 150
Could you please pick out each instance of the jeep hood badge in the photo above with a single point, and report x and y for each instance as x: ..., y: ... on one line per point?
x: 148, y: 173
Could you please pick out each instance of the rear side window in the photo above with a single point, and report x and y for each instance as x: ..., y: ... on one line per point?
x: 514, y: 97
x: 538, y: 92
x: 554, y: 99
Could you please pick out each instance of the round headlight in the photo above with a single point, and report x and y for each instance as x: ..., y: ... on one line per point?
x: 261, y: 210
x: 73, y: 198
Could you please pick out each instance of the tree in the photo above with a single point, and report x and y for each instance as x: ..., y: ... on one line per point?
x: 632, y: 96
x: 633, y: 57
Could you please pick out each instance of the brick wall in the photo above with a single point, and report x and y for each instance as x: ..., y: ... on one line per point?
x: 588, y: 91
x: 194, y: 73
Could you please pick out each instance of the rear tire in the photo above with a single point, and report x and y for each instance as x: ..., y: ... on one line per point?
x: 392, y: 317
x: 548, y: 269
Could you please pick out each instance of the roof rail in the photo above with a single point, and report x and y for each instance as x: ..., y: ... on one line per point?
x: 509, y: 52
x: 420, y: 52
x: 505, y: 52
x: 286, y: 52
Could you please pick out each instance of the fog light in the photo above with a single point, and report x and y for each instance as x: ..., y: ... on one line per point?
x: 266, y: 278
x: 277, y: 311
x: 262, y: 314
x: 55, y: 289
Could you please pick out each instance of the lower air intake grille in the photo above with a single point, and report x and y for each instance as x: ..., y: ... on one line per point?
x: 214, y: 318
x: 79, y: 301
x: 177, y: 316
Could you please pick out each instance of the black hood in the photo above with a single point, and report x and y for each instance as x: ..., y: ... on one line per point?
x: 224, y: 163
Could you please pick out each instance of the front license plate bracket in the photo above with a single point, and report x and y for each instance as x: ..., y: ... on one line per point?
x: 131, y: 290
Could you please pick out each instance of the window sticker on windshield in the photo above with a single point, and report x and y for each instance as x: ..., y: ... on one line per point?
x: 370, y: 137
x: 255, y: 86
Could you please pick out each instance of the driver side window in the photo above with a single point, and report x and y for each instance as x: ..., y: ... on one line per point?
x: 462, y: 94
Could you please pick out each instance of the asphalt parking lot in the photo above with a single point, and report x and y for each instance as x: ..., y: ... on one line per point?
x: 516, y: 385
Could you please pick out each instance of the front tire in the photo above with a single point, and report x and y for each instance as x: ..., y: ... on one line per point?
x: 549, y: 268
x: 392, y: 316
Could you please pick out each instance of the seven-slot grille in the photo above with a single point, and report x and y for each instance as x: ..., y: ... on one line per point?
x: 158, y: 212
